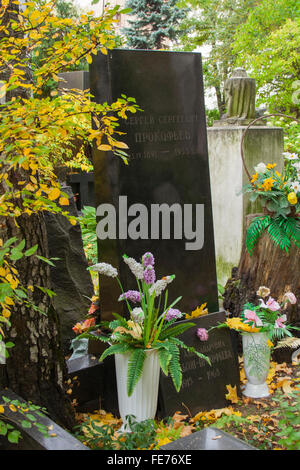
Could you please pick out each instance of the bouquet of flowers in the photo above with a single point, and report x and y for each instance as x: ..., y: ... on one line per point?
x: 269, y: 316
x: 152, y: 322
x: 279, y: 194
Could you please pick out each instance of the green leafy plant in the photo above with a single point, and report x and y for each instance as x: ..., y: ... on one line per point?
x: 88, y: 225
x: 152, y: 325
x: 279, y: 194
x: 289, y: 424
x: 29, y: 413
x: 104, y: 436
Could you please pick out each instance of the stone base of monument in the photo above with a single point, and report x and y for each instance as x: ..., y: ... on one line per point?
x: 32, y: 439
x: 94, y: 384
x: 208, y: 439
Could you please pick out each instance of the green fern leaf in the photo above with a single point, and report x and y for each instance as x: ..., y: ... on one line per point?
x: 191, y: 350
x: 279, y: 236
x: 291, y: 226
x: 174, y: 366
x: 164, y: 360
x: 119, y: 348
x: 175, y: 330
x: 135, y: 369
x: 255, y: 229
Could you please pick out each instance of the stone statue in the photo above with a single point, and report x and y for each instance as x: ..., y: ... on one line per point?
x: 239, y: 91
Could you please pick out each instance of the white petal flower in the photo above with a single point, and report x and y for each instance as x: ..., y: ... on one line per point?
x: 160, y: 285
x: 261, y: 168
x: 105, y: 268
x: 290, y: 156
x: 295, y: 186
x: 136, y: 268
x: 296, y: 165
x: 137, y: 315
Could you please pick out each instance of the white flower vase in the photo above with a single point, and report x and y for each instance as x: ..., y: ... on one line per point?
x: 256, y: 364
x: 142, y: 403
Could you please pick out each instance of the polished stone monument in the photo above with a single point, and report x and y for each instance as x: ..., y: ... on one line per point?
x: 167, y: 175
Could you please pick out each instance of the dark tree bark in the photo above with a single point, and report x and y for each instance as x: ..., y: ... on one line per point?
x: 271, y: 267
x: 267, y: 266
x: 36, y: 367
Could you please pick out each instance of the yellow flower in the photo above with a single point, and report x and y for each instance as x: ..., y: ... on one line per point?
x: 268, y: 183
x: 292, y: 198
x: 198, y: 312
x: 236, y: 323
x: 271, y: 165
x: 254, y: 177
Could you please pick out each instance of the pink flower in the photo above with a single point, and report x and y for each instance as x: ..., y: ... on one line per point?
x: 149, y: 275
x: 271, y: 304
x: 173, y: 313
x: 279, y: 322
x: 148, y: 259
x: 132, y: 295
x: 290, y: 297
x: 252, y: 316
x: 202, y: 334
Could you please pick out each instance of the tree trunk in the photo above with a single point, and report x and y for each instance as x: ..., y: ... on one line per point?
x: 36, y: 367
x: 268, y: 266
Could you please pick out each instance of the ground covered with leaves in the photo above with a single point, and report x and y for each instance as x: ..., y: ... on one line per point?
x: 271, y: 423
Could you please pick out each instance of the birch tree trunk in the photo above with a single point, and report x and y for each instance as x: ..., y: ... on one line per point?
x: 36, y: 367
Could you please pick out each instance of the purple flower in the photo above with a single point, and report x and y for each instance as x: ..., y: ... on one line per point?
x: 148, y: 259
x: 173, y: 313
x: 132, y: 295
x: 202, y: 334
x: 149, y: 275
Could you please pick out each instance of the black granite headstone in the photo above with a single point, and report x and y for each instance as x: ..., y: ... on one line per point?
x: 203, y: 385
x: 168, y: 170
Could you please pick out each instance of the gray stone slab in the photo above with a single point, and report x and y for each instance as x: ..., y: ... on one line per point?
x: 32, y: 439
x: 208, y: 439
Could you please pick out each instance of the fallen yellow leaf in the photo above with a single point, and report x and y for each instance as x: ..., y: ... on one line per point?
x: 232, y: 394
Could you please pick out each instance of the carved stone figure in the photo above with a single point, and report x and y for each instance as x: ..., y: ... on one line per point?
x: 239, y: 91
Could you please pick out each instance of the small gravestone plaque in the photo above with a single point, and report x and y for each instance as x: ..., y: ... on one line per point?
x: 203, y: 386
x: 161, y: 201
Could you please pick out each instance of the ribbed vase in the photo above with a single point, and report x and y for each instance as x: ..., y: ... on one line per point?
x: 142, y: 403
x: 256, y: 364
